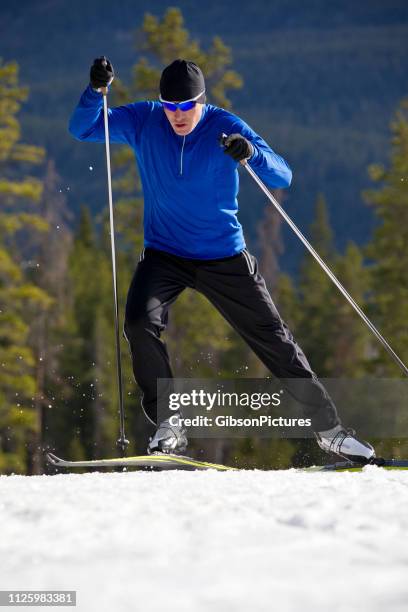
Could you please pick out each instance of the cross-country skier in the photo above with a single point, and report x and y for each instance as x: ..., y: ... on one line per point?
x: 192, y: 238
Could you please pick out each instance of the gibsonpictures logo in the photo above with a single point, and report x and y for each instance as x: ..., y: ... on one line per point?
x: 231, y: 422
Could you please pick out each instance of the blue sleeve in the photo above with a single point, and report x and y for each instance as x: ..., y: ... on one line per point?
x: 125, y: 122
x: 270, y: 167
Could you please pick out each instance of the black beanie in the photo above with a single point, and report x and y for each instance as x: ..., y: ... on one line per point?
x: 182, y: 80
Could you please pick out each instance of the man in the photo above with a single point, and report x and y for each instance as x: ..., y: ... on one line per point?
x: 192, y: 238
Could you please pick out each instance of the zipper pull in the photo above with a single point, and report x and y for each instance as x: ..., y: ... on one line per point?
x: 181, y: 156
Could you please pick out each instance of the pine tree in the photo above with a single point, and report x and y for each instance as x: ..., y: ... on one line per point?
x: 48, y: 330
x: 270, y: 241
x: 288, y: 301
x: 349, y: 335
x: 165, y: 40
x: 388, y: 248
x: 85, y: 358
x: 387, y: 252
x: 314, y: 332
x: 86, y: 424
x: 20, y: 300
x: 333, y: 337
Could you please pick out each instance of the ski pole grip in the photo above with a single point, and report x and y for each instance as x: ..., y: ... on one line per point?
x: 222, y: 140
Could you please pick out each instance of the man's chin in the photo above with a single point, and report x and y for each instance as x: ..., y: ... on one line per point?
x: 182, y: 131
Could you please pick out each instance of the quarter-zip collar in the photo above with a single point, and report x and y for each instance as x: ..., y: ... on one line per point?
x: 191, y: 137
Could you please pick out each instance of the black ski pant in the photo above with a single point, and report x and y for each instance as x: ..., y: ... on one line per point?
x: 236, y: 288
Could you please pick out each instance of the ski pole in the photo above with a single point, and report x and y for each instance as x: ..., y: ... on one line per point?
x: 326, y: 268
x: 122, y: 442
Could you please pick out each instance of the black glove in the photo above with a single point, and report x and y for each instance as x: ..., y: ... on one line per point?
x: 102, y: 72
x: 237, y: 146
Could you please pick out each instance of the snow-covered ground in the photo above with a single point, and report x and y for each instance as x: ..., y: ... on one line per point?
x: 208, y: 541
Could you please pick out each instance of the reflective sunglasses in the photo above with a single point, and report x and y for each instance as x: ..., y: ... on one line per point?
x: 183, y: 106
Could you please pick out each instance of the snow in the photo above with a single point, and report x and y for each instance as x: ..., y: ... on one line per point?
x: 210, y: 541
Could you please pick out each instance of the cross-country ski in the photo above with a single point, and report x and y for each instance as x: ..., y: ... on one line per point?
x: 167, y: 461
x: 163, y: 461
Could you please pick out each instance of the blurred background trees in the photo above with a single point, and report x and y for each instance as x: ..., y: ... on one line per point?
x: 57, y: 361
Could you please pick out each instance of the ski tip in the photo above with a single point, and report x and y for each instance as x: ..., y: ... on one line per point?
x: 350, y: 466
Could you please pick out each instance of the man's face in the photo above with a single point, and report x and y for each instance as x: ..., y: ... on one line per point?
x: 184, y: 122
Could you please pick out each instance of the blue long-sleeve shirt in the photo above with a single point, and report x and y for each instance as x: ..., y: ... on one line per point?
x: 190, y: 185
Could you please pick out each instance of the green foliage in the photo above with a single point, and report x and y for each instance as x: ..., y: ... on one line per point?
x: 83, y: 362
x: 329, y: 331
x: 255, y: 453
x: 57, y: 352
x: 11, y: 150
x: 317, y: 296
x: 166, y: 40
x: 349, y: 335
x: 349, y: 66
x: 388, y: 248
x: 287, y: 301
x: 20, y: 300
x: 88, y: 417
x: 197, y: 337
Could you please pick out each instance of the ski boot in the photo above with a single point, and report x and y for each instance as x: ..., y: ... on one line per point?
x: 169, y: 438
x: 343, y: 442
